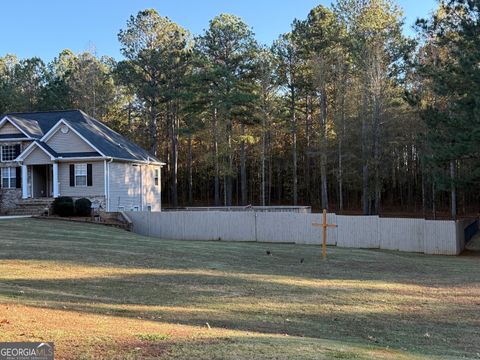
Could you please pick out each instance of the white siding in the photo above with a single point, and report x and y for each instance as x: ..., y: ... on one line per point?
x: 67, y: 143
x: 124, y: 186
x: 9, y: 129
x: 151, y: 192
x: 132, y: 186
x: 98, y: 180
x: 37, y: 157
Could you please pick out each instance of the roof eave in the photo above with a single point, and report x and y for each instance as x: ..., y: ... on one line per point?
x: 138, y: 161
x: 67, y: 159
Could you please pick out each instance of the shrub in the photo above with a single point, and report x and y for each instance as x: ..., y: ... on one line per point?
x: 83, y: 207
x: 63, y: 206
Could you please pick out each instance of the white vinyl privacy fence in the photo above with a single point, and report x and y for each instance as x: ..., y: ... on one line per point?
x: 411, y: 235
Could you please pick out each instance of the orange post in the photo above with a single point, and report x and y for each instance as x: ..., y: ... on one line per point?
x: 324, y: 226
x: 324, y: 234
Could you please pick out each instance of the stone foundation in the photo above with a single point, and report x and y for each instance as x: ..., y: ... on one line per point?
x: 99, y: 200
x: 9, y: 198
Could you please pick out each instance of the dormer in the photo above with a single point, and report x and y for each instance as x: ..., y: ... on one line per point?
x: 9, y: 131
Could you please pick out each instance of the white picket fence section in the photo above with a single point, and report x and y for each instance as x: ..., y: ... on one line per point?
x: 410, y: 235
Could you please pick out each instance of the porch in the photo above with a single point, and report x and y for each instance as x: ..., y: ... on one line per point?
x: 40, y: 181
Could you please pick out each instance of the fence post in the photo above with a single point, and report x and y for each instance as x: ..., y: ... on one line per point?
x: 256, y: 237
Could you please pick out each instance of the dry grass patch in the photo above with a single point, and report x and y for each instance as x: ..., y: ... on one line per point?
x: 105, y: 293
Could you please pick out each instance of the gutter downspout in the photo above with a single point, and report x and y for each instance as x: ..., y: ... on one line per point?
x: 107, y: 183
x: 141, y: 187
x: 142, y: 190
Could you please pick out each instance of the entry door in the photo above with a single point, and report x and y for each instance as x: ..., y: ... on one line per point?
x: 40, y: 181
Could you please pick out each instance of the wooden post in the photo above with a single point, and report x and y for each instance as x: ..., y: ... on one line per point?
x: 324, y: 234
x: 324, y: 226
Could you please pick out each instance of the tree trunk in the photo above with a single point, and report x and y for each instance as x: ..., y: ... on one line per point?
x: 294, y: 145
x: 424, y: 195
x: 216, y: 157
x: 243, y: 167
x: 264, y: 146
x: 279, y: 182
x: 341, y: 136
x: 153, y: 132
x: 323, y: 150
x: 190, y: 169
x: 453, y: 191
x: 174, y: 153
x: 308, y: 160
x: 376, y: 152
x: 225, y: 185
x: 270, y: 171
x: 365, y: 202
x: 228, y: 177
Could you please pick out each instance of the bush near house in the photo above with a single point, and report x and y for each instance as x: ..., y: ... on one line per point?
x: 83, y: 207
x: 63, y: 206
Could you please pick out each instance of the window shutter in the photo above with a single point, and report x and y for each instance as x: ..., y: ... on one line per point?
x: 17, y: 150
x: 18, y: 177
x: 89, y: 175
x: 72, y: 175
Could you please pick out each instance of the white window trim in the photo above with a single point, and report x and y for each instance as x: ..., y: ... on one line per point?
x: 86, y: 174
x: 1, y: 153
x: 11, y: 171
x: 156, y: 177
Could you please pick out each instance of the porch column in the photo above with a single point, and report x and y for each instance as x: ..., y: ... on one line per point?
x: 55, y: 180
x: 24, y: 182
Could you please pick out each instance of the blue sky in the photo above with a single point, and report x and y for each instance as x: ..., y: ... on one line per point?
x: 45, y: 27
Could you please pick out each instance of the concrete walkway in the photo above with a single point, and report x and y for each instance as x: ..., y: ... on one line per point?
x: 14, y: 217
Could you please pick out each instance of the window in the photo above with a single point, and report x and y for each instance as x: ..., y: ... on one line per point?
x: 9, y: 177
x: 9, y: 152
x: 149, y: 207
x: 80, y: 174
x: 157, y: 176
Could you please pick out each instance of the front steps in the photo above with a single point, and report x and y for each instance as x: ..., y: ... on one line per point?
x: 31, y: 206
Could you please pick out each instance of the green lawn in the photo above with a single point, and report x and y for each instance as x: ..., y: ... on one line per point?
x: 102, y: 293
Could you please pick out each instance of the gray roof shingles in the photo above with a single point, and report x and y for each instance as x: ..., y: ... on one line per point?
x: 107, y: 141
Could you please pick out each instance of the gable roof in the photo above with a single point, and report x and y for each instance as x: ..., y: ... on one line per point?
x: 53, y: 154
x: 108, y: 142
x: 28, y: 127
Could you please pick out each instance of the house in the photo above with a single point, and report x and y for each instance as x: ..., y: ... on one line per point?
x: 44, y: 155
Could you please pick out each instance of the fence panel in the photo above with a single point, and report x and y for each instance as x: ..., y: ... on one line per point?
x: 411, y: 235
x: 201, y: 226
x: 402, y: 234
x: 234, y: 226
x: 440, y: 238
x: 358, y: 232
